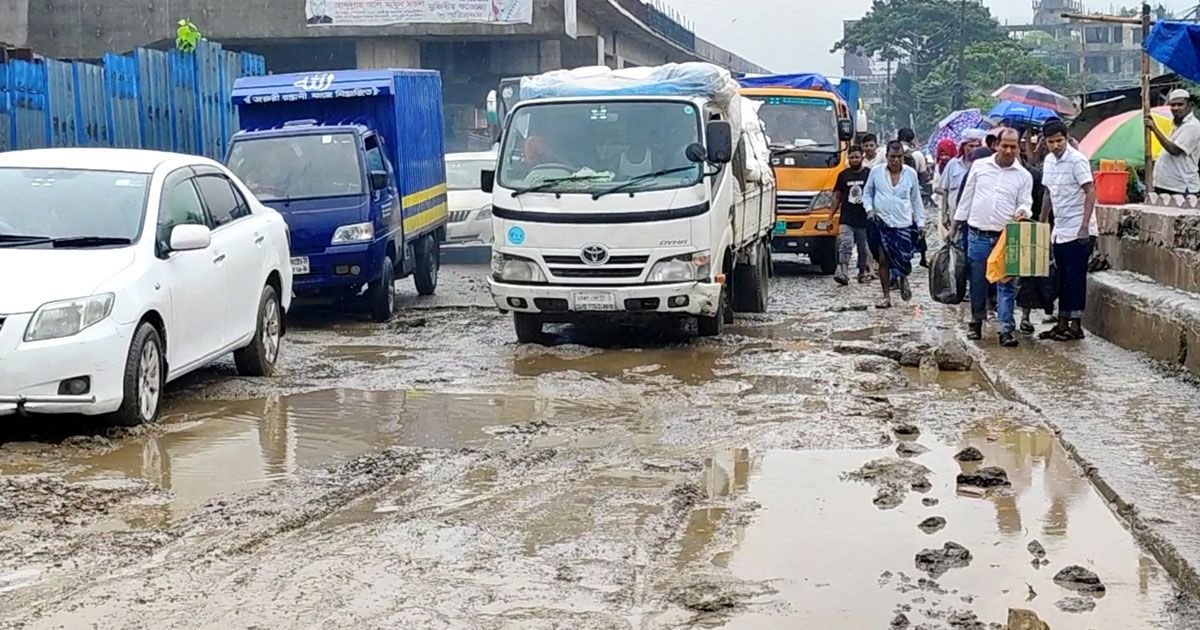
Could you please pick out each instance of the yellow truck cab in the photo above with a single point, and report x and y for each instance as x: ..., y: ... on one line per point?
x: 809, y: 125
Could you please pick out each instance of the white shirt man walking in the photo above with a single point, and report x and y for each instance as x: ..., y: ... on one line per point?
x: 1176, y: 170
x: 998, y: 190
x: 1071, y: 195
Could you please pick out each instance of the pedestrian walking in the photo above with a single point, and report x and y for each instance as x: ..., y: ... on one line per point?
x: 1071, y: 196
x: 1035, y: 293
x: 955, y: 174
x: 872, y: 156
x: 998, y: 190
x: 848, y: 200
x: 1176, y: 170
x: 892, y: 199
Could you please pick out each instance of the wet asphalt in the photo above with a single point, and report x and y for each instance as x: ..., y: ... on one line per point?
x: 432, y: 473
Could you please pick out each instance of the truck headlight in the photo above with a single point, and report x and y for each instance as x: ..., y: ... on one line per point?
x: 823, y: 199
x: 685, y: 268
x: 354, y: 233
x: 54, y: 320
x: 516, y: 269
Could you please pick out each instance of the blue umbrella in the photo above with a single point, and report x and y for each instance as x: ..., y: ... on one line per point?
x: 1017, y: 112
x: 952, y: 126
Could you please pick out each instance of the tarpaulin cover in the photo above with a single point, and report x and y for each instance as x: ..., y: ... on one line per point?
x: 673, y: 79
x: 809, y: 81
x: 1177, y: 46
x: 758, y: 162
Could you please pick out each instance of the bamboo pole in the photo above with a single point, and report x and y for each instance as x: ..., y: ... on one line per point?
x: 1146, y: 136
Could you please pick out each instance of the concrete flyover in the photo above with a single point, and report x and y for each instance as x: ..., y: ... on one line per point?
x: 472, y: 57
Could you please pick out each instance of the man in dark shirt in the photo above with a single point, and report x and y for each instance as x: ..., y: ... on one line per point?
x: 848, y: 200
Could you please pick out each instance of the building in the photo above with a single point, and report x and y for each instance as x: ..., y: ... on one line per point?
x: 474, y: 43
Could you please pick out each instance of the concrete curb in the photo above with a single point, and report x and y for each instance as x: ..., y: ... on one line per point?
x: 1142, y: 528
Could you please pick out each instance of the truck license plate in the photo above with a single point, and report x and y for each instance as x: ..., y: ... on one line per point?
x: 595, y: 301
x: 300, y: 265
x: 781, y: 227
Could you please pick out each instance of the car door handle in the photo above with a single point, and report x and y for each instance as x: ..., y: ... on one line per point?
x: 219, y: 259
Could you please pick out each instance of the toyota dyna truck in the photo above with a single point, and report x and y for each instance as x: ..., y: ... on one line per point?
x: 354, y: 161
x: 631, y: 194
x: 809, y: 123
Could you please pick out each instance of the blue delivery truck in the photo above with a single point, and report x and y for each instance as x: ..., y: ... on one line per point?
x: 355, y: 163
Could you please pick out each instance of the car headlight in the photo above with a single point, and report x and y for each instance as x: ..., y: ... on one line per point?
x: 485, y: 213
x: 354, y: 233
x: 823, y: 199
x: 684, y: 268
x: 54, y: 320
x: 516, y: 269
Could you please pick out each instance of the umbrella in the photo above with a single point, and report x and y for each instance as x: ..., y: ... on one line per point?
x: 1120, y: 137
x: 953, y: 126
x: 1019, y: 112
x: 1037, y: 96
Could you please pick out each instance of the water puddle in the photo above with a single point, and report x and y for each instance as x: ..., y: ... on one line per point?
x: 836, y: 559
x: 863, y: 334
x: 690, y: 365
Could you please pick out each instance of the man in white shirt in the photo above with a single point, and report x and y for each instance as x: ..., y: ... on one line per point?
x: 998, y: 190
x: 1071, y: 195
x: 1176, y: 170
x: 909, y: 138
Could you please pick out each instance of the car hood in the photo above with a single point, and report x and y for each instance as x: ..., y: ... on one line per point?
x: 38, y: 276
x: 467, y: 199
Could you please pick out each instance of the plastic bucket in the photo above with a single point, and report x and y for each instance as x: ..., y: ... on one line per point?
x: 1111, y: 187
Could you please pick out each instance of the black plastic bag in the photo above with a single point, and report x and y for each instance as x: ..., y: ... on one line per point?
x: 948, y: 275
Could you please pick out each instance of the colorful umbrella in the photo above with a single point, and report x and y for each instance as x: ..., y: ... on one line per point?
x: 1037, y: 96
x: 1019, y: 112
x: 953, y: 126
x: 1120, y: 137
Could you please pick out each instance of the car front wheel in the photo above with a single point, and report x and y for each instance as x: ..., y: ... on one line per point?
x: 144, y: 378
x: 258, y: 358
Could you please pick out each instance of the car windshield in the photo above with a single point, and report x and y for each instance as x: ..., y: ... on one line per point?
x: 464, y: 174
x: 593, y: 146
x: 298, y: 167
x: 803, y: 123
x: 72, y: 204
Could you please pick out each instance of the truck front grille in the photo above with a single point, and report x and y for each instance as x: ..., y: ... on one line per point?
x: 613, y: 260
x: 458, y: 216
x: 596, y: 272
x: 794, y: 203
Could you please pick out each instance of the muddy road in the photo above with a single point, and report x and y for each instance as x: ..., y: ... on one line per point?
x: 799, y: 472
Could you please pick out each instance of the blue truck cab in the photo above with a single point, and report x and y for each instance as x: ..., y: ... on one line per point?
x: 355, y: 163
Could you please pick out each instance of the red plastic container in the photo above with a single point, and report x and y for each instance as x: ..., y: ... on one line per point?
x: 1111, y: 187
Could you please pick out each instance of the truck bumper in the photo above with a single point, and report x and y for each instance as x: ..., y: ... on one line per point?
x: 800, y: 244
x: 339, y: 267
x: 684, y: 298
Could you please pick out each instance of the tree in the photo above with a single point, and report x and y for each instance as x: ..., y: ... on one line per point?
x: 920, y: 35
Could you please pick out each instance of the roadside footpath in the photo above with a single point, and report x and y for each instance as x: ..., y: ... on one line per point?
x: 1131, y: 426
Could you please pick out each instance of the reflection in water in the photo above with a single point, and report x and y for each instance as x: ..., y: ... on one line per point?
x: 688, y: 364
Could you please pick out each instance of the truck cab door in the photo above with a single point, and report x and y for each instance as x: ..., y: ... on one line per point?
x: 385, y: 200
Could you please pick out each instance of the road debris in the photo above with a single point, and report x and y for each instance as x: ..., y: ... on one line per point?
x: 969, y: 454
x: 936, y: 562
x: 932, y: 525
x: 1077, y: 578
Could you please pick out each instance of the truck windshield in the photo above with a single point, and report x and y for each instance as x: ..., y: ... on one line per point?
x: 590, y: 147
x: 298, y: 167
x: 800, y: 123
x: 81, y: 207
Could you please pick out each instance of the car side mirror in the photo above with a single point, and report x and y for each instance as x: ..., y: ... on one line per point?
x: 719, y: 134
x: 696, y: 153
x: 487, y: 181
x: 845, y: 129
x: 379, y: 180
x: 186, y: 238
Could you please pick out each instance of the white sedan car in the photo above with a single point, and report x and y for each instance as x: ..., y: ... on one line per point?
x: 123, y: 270
x: 470, y: 207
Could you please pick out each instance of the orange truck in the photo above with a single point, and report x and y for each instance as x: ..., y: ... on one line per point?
x: 809, y: 123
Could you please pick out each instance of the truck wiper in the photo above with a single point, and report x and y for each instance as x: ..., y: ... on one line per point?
x: 22, y: 239
x: 553, y: 181
x: 90, y: 241
x: 637, y: 179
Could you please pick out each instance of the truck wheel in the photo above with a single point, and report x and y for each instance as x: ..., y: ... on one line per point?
x: 429, y: 260
x: 381, y: 297
x: 528, y: 327
x: 258, y: 358
x: 750, y: 284
x: 715, y: 325
x: 825, y: 256
x: 145, y: 368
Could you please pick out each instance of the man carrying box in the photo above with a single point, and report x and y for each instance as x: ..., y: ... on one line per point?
x: 1067, y: 175
x: 998, y: 190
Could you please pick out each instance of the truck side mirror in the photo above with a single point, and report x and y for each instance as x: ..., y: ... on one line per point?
x: 696, y: 153
x: 487, y: 181
x: 719, y: 134
x: 845, y: 129
x: 379, y: 180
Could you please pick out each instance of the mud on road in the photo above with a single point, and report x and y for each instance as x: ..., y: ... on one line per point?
x: 431, y: 473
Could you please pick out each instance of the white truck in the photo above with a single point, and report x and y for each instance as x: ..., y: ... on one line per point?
x: 631, y: 193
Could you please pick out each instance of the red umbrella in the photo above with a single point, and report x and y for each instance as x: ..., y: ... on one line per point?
x: 1037, y: 96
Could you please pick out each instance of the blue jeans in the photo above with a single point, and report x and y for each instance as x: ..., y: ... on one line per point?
x: 979, y: 247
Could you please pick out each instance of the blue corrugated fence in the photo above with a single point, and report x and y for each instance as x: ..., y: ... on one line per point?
x: 169, y: 101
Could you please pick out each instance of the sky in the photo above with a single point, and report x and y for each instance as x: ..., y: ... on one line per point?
x: 796, y: 35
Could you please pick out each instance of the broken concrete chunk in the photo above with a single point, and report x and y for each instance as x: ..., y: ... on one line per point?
x: 1021, y: 619
x: 906, y: 430
x: 932, y: 524
x: 892, y: 478
x: 986, y: 477
x: 969, y: 454
x: 900, y: 621
x: 1079, y: 579
x: 1036, y: 549
x: 1076, y: 604
x: 910, y: 449
x: 929, y: 501
x: 952, y: 356
x: 936, y: 562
